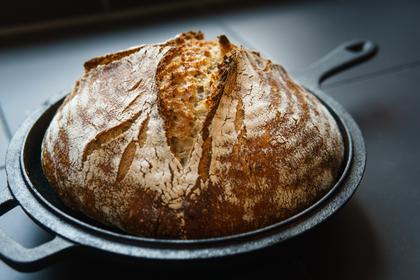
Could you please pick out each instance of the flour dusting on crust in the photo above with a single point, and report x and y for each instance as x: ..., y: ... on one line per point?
x: 190, y: 139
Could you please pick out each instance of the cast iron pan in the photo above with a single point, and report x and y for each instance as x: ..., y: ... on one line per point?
x: 28, y: 188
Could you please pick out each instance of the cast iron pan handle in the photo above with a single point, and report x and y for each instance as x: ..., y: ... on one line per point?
x: 342, y: 57
x: 19, y: 257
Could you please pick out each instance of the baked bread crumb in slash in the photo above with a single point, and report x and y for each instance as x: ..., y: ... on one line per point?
x: 186, y: 81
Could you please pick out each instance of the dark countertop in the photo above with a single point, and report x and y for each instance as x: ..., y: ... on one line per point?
x: 375, y: 236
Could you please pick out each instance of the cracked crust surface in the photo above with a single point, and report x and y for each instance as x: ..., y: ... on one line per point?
x: 190, y: 139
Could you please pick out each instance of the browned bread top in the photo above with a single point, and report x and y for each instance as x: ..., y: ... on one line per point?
x: 190, y: 139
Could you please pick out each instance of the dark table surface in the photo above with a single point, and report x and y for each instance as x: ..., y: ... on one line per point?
x: 375, y: 236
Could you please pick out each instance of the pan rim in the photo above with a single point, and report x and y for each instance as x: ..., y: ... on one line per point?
x: 264, y: 235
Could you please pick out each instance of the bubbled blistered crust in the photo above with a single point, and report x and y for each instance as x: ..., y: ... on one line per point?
x: 186, y: 80
x: 139, y: 146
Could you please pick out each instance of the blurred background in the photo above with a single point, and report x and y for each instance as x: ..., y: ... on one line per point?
x: 44, y: 43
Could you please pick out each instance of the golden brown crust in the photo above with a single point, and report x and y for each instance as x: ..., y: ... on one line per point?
x: 261, y: 150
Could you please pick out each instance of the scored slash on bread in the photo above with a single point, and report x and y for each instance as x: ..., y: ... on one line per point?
x: 187, y: 81
x: 190, y: 139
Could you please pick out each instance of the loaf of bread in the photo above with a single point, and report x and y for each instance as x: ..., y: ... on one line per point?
x: 190, y: 139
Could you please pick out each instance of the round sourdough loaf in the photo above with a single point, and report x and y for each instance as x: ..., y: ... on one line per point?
x: 190, y: 139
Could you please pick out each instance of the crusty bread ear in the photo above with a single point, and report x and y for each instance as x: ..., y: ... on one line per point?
x: 190, y: 139
x: 108, y: 58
